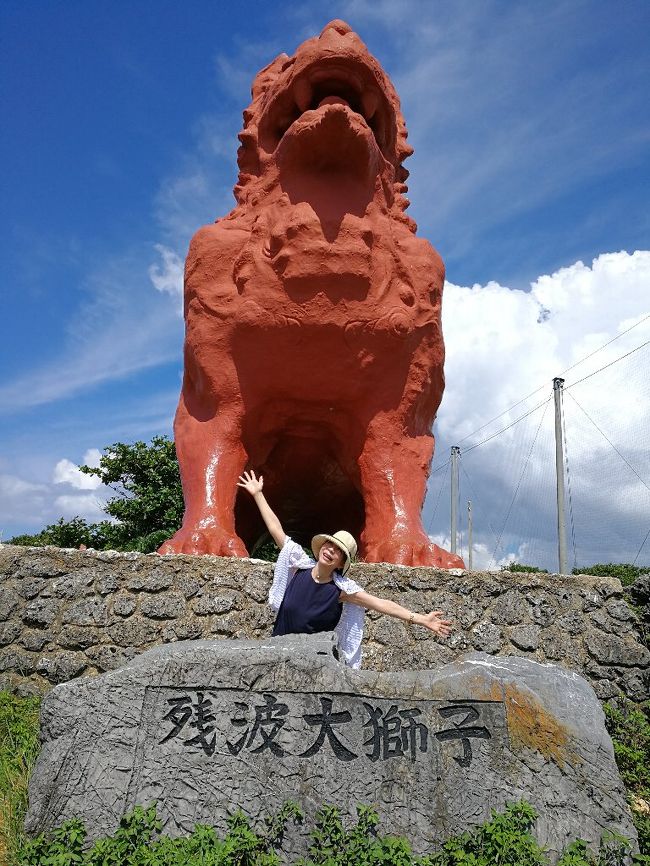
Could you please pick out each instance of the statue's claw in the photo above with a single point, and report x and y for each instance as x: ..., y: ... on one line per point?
x: 410, y: 551
x: 212, y: 540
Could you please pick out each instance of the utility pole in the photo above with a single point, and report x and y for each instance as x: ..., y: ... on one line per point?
x: 469, y: 534
x: 558, y: 385
x: 455, y: 454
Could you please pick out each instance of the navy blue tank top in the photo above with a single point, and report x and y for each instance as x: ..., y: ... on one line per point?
x: 308, y: 607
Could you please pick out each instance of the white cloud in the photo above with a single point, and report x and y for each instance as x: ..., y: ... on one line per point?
x: 10, y: 485
x: 67, y: 472
x: 92, y: 457
x: 500, y: 349
x: 87, y: 506
x: 29, y: 506
x: 483, y: 558
x: 20, y: 500
x: 498, y: 344
x: 183, y: 202
x: 168, y: 276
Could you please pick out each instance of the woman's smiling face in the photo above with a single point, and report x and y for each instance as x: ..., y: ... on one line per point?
x: 331, y: 555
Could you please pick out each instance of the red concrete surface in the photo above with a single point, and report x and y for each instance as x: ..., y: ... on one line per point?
x: 314, y: 350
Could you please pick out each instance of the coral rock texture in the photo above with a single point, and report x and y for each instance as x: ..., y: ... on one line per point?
x: 314, y: 350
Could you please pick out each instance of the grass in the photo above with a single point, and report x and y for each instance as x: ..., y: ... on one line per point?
x: 19, y: 748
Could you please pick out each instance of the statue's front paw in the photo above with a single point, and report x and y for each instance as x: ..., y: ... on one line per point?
x: 411, y: 551
x: 200, y: 541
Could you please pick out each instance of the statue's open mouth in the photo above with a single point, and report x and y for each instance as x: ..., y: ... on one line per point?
x: 348, y: 83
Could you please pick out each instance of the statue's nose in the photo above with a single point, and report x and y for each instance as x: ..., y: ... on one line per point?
x: 339, y: 27
x: 339, y: 33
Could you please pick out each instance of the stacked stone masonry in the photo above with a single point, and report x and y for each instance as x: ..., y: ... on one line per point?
x: 70, y: 613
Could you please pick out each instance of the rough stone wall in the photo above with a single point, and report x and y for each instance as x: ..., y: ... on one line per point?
x: 70, y: 613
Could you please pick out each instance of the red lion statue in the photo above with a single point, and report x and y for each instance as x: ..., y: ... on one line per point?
x: 313, y: 349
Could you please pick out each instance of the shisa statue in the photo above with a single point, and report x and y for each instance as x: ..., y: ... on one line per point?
x: 314, y: 350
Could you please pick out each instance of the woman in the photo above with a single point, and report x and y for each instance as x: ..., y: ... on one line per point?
x: 313, y: 595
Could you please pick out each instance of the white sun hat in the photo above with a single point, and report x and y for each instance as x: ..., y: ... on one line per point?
x: 343, y: 540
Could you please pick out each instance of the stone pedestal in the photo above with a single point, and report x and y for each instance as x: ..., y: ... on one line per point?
x: 204, y: 727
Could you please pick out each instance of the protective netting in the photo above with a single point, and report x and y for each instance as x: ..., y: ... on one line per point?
x: 507, y: 470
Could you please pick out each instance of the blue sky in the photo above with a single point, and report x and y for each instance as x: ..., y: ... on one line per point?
x: 531, y: 136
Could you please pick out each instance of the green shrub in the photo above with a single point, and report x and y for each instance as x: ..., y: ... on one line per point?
x: 625, y: 572
x: 629, y: 727
x: 135, y: 843
x: 505, y: 840
x: 642, y: 824
x: 524, y: 569
x: 18, y: 752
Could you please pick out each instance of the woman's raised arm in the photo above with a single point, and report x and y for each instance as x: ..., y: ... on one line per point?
x: 253, y: 485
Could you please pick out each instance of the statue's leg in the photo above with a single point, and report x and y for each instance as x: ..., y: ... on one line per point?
x: 211, y: 459
x: 394, y: 469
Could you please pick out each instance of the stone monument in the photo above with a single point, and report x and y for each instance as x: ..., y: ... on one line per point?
x: 204, y: 727
x: 313, y: 350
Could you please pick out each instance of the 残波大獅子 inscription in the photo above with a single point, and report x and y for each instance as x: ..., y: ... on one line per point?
x: 346, y: 727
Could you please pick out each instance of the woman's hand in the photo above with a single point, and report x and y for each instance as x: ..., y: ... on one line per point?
x: 434, y: 622
x: 251, y: 483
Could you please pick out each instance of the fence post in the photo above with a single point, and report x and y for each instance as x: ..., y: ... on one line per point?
x: 469, y: 534
x: 455, y: 453
x: 558, y: 385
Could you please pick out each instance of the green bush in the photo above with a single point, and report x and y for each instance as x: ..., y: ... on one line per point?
x: 625, y: 572
x: 505, y: 840
x: 629, y: 727
x: 524, y: 569
x: 147, y: 507
x: 136, y: 843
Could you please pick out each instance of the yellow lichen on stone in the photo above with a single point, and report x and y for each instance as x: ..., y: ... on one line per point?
x: 530, y: 725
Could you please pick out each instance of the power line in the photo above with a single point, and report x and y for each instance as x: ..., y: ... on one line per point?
x: 611, y: 363
x: 439, y: 468
x: 503, y: 429
x: 442, y: 484
x: 505, y: 412
x: 535, y: 408
x: 638, y: 553
x: 564, y: 372
x: 627, y: 462
x: 608, y: 343
x: 475, y: 498
x: 521, y: 478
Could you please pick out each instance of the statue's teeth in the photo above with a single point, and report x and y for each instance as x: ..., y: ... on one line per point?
x: 302, y: 93
x: 370, y: 103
